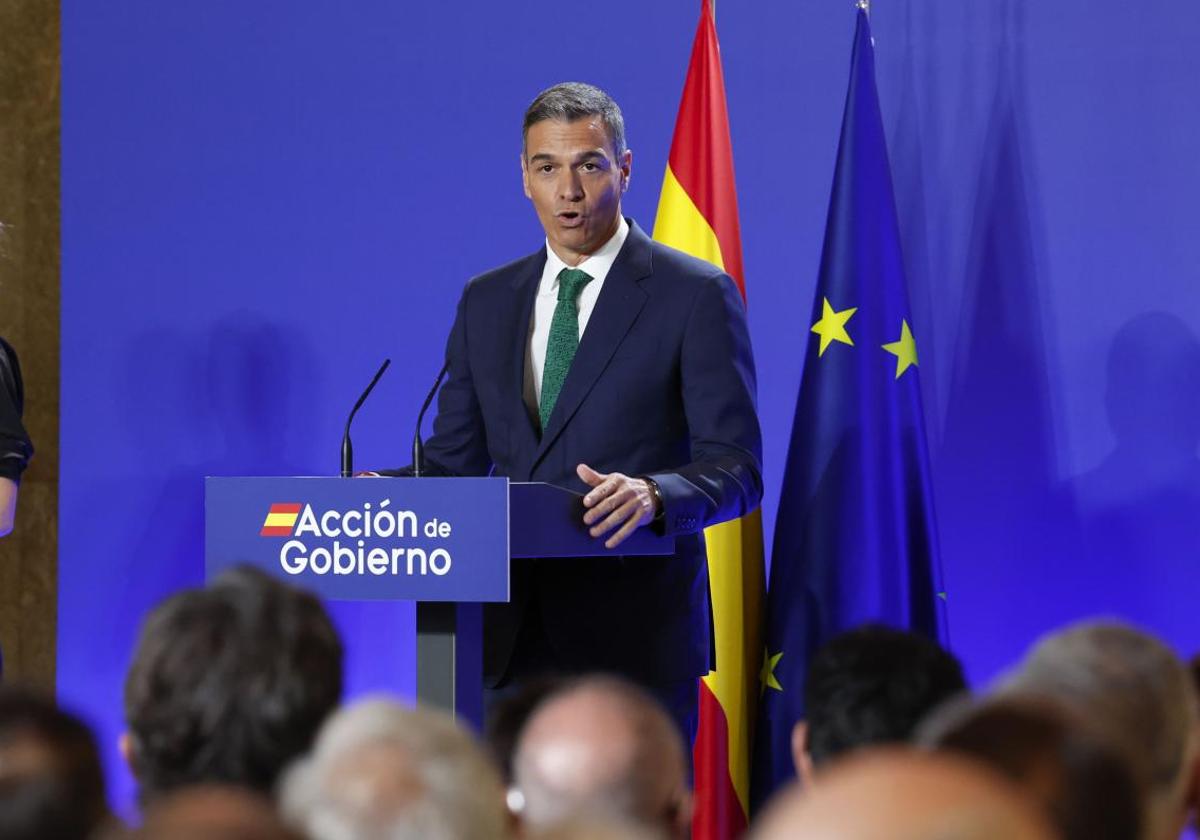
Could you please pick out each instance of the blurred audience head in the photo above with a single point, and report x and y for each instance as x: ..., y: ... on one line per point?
x: 602, y: 747
x: 870, y: 686
x: 381, y: 770
x: 1137, y: 692
x: 508, y: 717
x: 595, y: 828
x: 212, y: 812
x: 1079, y: 778
x: 51, y: 782
x: 893, y: 793
x: 229, y: 684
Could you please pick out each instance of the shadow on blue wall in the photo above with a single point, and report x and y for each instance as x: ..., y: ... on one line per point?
x: 1140, y: 507
x: 224, y: 403
x: 231, y: 397
x: 996, y: 467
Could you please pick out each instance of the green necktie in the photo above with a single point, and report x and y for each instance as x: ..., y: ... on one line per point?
x: 563, y: 340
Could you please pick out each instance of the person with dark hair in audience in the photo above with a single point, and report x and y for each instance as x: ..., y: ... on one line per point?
x: 1079, y: 778
x: 870, y: 685
x: 229, y: 684
x: 15, y: 446
x: 51, y: 782
x: 1135, y: 690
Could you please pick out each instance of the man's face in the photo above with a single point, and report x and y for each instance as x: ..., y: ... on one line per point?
x: 575, y: 180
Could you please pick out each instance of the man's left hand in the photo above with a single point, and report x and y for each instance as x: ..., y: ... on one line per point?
x: 616, y: 500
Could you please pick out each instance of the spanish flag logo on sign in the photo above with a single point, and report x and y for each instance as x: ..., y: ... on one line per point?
x: 280, y: 521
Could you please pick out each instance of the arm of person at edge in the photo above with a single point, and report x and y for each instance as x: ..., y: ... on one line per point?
x: 15, y: 452
x: 724, y: 479
x: 8, y: 505
x: 15, y: 446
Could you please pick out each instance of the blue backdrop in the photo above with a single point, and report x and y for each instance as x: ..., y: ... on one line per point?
x: 261, y: 201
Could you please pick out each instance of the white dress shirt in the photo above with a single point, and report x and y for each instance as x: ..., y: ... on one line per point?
x: 597, y: 265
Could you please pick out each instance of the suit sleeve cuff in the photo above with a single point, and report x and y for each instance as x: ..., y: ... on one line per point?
x: 681, y: 512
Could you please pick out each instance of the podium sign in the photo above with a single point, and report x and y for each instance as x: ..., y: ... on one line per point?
x: 442, y: 540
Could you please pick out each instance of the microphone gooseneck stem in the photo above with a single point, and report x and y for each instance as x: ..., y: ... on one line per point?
x: 347, y: 447
x: 418, y: 447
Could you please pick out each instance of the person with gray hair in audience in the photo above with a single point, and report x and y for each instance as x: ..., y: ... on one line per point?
x: 1139, y: 694
x: 382, y: 771
x: 603, y: 747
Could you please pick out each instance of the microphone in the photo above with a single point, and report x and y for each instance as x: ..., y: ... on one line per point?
x: 418, y: 452
x: 347, y: 449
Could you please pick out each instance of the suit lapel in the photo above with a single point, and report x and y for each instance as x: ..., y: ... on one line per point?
x: 525, y: 285
x: 617, y: 307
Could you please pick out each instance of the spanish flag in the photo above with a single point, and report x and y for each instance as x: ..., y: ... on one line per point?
x: 697, y: 213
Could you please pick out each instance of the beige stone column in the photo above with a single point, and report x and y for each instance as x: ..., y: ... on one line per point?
x: 29, y: 320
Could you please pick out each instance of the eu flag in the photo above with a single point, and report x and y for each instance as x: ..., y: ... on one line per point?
x: 855, y: 539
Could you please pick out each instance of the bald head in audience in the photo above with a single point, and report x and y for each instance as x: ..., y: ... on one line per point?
x: 380, y: 769
x: 1135, y: 690
x: 601, y: 746
x: 902, y: 794
x: 595, y: 828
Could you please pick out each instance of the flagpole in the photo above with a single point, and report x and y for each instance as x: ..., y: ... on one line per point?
x: 865, y: 5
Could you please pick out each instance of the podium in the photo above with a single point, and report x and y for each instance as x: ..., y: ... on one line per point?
x: 443, y: 543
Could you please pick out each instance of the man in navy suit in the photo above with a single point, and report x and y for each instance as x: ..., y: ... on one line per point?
x: 615, y: 366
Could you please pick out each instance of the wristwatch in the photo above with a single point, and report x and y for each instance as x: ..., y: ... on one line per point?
x: 660, y: 507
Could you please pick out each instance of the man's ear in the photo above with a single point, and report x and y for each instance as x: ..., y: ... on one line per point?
x: 125, y: 748
x: 800, y: 755
x: 525, y: 177
x: 684, y: 810
x: 626, y: 169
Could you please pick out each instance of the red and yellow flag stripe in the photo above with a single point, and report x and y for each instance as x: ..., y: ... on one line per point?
x: 697, y: 213
x: 280, y: 521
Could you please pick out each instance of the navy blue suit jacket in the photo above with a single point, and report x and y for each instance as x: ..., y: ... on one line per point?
x: 662, y: 385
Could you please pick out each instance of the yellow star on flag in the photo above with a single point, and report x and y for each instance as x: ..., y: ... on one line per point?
x: 832, y: 326
x: 767, y: 675
x: 905, y: 350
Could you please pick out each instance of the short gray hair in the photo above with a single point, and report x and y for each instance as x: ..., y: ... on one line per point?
x: 427, y: 780
x: 570, y: 101
x: 1126, y: 682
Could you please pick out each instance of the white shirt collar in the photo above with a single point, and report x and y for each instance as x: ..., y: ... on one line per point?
x: 596, y: 264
